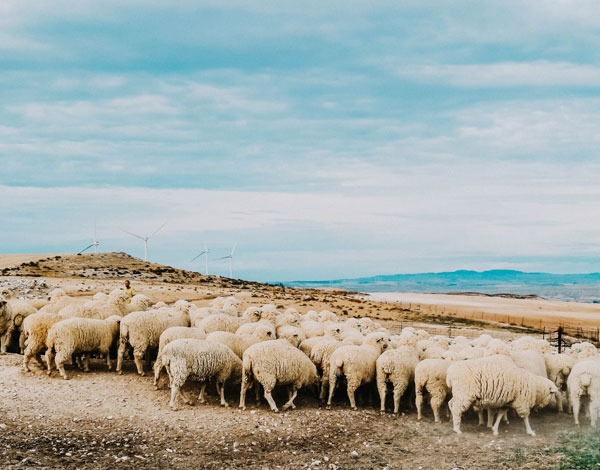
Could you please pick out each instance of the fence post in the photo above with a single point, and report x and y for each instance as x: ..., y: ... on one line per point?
x: 559, y: 332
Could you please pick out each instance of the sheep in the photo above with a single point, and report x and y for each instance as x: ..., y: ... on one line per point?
x: 398, y: 367
x: 142, y: 330
x: 496, y: 382
x: 239, y: 343
x: 171, y: 334
x: 531, y: 360
x: 558, y: 368
x: 80, y: 335
x: 357, y: 364
x: 12, y: 314
x: 226, y: 322
x: 250, y: 328
x: 35, y: 331
x: 292, y: 334
x: 274, y: 363
x: 201, y: 360
x: 583, y: 350
x: 7, y: 324
x: 332, y: 332
x: 430, y: 374
x: 114, y: 304
x: 584, y: 381
x: 139, y: 303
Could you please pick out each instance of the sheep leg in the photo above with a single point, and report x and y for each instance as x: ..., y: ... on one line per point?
x: 61, y: 368
x: 244, y: 388
x: 530, y: 431
x: 158, y: 367
x: 496, y: 424
x: 138, y: 358
x: 324, y: 387
x: 292, y: 397
x: 120, y: 353
x: 5, y: 340
x: 86, y: 363
x: 436, y: 402
x: 332, y: 385
x: 49, y: 359
x: 269, y: 399
x: 382, y: 389
x: 201, y: 398
x: 399, y: 390
x: 457, y: 408
x: 108, y: 361
x: 419, y: 403
x: 221, y: 391
x: 594, y: 410
x: 575, y: 404
x: 175, y: 390
x: 351, y: 390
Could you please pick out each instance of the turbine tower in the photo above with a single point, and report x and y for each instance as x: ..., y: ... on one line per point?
x: 146, y: 238
x: 205, y: 253
x: 230, y: 257
x: 94, y: 243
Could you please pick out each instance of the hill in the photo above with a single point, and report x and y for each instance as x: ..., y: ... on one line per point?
x: 115, y: 265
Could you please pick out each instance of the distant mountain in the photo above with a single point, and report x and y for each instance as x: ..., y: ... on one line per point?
x: 573, y: 287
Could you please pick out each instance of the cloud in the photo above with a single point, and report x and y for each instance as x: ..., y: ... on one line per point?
x: 501, y: 75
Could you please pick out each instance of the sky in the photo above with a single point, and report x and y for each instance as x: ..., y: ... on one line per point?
x: 324, y: 140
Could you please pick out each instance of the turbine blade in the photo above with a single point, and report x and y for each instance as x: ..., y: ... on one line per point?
x: 134, y: 234
x: 86, y: 248
x: 233, y: 249
x: 157, y: 230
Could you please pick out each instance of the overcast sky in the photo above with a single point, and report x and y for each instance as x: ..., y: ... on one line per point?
x: 328, y: 139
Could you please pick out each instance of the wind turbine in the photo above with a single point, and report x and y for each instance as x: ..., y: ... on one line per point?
x: 205, y: 253
x: 146, y: 238
x: 230, y: 257
x: 94, y: 244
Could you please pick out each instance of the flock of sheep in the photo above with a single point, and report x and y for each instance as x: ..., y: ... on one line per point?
x: 263, y: 347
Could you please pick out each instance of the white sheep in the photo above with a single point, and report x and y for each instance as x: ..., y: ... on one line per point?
x: 583, y: 350
x: 239, y: 343
x: 142, y: 330
x: 273, y: 363
x: 292, y: 334
x: 171, y: 334
x: 430, y: 375
x: 496, y: 382
x: 200, y: 360
x: 7, y: 324
x: 80, y: 335
x: 226, y: 322
x: 35, y: 331
x: 396, y: 366
x: 584, y: 382
x: 357, y: 364
x: 558, y: 368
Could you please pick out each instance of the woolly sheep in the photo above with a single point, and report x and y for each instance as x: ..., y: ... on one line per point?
x: 7, y: 324
x: 531, y: 360
x: 496, y: 382
x: 80, y: 335
x: 584, y: 382
x: 583, y: 350
x: 430, y: 375
x: 239, y: 343
x: 12, y: 314
x: 142, y: 330
x: 274, y: 363
x: 292, y: 334
x: 226, y: 322
x: 200, y: 360
x: 357, y: 364
x: 35, y: 331
x: 171, y: 334
x: 250, y: 328
x: 138, y: 303
x: 558, y: 368
x: 398, y: 367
